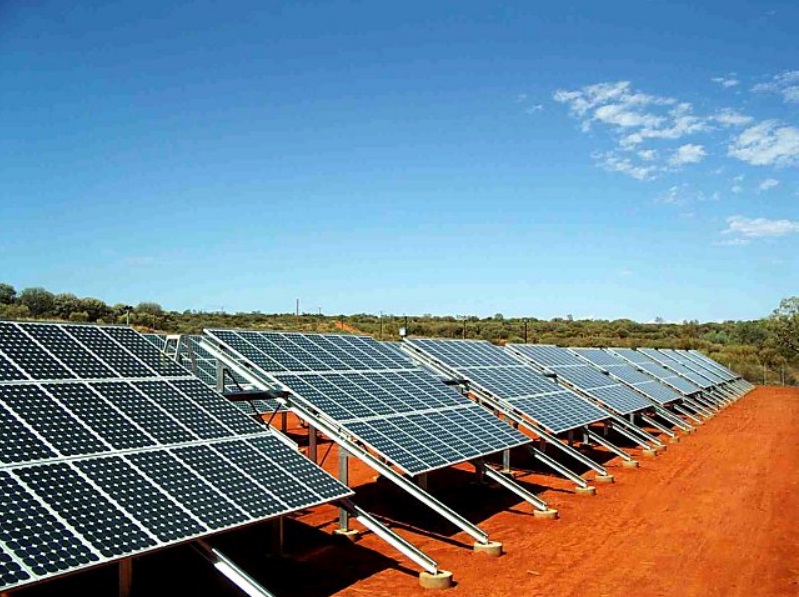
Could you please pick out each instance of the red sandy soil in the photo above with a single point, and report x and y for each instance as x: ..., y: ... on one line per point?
x: 716, y: 514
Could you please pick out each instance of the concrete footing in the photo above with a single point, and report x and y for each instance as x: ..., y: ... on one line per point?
x: 441, y: 580
x: 603, y: 479
x: 587, y: 490
x: 492, y: 548
x: 629, y: 463
x: 649, y: 453
x: 350, y: 535
x: 546, y: 514
x: 674, y: 440
x: 662, y: 448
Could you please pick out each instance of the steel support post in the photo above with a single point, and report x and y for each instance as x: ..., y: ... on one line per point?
x: 687, y: 414
x: 672, y: 418
x: 344, y: 477
x: 658, y: 426
x: 557, y: 466
x: 506, y: 461
x: 406, y: 548
x: 312, y: 438
x: 596, y: 438
x: 125, y: 577
x: 512, y: 486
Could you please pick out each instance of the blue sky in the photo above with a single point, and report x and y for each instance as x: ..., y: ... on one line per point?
x: 631, y: 159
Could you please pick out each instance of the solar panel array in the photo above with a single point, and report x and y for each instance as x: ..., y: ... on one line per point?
x: 677, y: 367
x: 677, y: 357
x: 626, y: 373
x: 376, y: 395
x: 714, y: 365
x: 570, y: 368
x: 490, y: 369
x: 110, y: 449
x: 205, y: 368
x: 710, y: 364
x: 670, y: 378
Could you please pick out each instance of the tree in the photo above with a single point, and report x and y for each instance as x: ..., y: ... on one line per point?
x: 65, y: 304
x: 38, y: 300
x: 784, y: 325
x: 7, y: 294
x: 94, y: 308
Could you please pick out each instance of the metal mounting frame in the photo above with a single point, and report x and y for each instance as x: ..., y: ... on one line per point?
x: 521, y: 419
x: 605, y: 443
x: 331, y: 430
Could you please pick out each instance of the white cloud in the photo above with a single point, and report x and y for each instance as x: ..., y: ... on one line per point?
x: 521, y: 97
x: 726, y: 81
x: 534, y: 108
x: 648, y: 154
x: 613, y: 162
x: 759, y: 227
x: 785, y: 84
x: 674, y: 196
x: 733, y: 242
x: 688, y: 154
x: 626, y: 271
x: 730, y: 117
x: 768, y: 184
x: 767, y: 144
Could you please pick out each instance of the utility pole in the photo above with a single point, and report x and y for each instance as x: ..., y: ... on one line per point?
x: 525, y: 331
x: 297, y: 311
x: 381, y: 326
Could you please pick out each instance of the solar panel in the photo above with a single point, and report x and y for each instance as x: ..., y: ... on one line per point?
x: 670, y: 378
x: 689, y: 364
x: 709, y: 364
x: 567, y: 366
x: 491, y: 370
x: 677, y: 367
x: 110, y: 450
x: 204, y: 366
x: 626, y: 373
x: 376, y: 395
x: 712, y: 363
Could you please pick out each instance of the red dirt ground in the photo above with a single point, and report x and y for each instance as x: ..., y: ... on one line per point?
x: 715, y: 515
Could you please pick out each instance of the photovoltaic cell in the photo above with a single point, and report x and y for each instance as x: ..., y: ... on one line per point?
x: 583, y: 376
x: 626, y: 373
x: 640, y: 360
x: 376, y: 394
x: 678, y: 368
x: 492, y: 370
x: 93, y: 423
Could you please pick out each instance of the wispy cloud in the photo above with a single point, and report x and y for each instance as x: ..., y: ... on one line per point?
x: 768, y: 184
x: 139, y: 261
x: 534, y: 108
x: 636, y: 120
x: 615, y: 162
x: 785, y: 84
x: 726, y: 82
x: 744, y: 227
x: 768, y: 143
x: 688, y: 154
x: 732, y: 242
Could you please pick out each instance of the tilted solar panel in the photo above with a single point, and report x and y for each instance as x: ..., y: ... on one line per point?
x: 677, y: 357
x: 678, y: 368
x: 377, y: 395
x: 670, y: 378
x: 568, y: 366
x: 707, y: 365
x: 111, y: 450
x: 628, y: 374
x: 490, y: 369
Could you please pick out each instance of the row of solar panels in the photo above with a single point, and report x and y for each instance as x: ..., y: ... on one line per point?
x: 90, y: 413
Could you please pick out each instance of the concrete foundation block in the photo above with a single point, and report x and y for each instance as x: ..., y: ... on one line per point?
x: 629, y: 463
x: 492, y: 548
x: 546, y: 514
x: 604, y: 479
x: 588, y: 490
x: 441, y: 580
